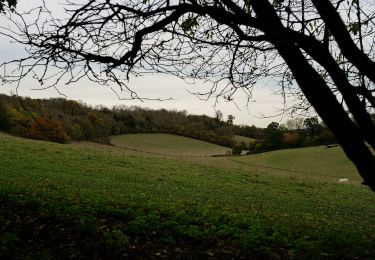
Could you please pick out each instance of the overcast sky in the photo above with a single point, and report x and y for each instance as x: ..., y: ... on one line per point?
x: 157, y: 86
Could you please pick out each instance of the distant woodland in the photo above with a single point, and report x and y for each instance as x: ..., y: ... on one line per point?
x: 61, y: 120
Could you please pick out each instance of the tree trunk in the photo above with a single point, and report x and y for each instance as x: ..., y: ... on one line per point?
x: 320, y: 54
x: 318, y: 93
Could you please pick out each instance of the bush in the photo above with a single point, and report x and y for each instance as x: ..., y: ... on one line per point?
x: 237, y: 149
x: 74, y: 131
x: 4, y: 117
x: 291, y: 139
x: 258, y: 147
x: 19, y: 123
x: 43, y: 128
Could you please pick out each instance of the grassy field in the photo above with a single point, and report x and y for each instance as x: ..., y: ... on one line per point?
x: 168, y: 144
x: 87, y: 201
x: 316, y: 163
x: 247, y: 140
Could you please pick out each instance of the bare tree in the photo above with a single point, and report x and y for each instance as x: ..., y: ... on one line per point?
x: 9, y: 3
x: 295, y: 124
x: 320, y: 51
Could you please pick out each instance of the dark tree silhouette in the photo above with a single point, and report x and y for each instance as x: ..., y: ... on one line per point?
x: 9, y: 3
x: 312, y: 125
x: 322, y: 49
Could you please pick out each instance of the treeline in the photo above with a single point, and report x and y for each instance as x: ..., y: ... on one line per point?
x: 61, y: 120
x: 295, y: 133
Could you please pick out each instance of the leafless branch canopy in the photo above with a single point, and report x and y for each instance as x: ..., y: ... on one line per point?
x: 217, y: 41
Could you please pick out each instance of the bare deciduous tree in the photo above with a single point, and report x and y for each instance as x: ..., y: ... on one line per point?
x: 320, y: 51
x: 9, y: 3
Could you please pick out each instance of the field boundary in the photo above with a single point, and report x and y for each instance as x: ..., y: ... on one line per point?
x: 169, y: 155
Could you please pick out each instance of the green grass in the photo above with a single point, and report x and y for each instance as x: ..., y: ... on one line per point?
x: 312, y: 162
x: 99, y: 201
x: 168, y: 144
x: 247, y: 140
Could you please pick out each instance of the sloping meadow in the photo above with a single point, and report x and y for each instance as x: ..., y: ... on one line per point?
x: 86, y: 200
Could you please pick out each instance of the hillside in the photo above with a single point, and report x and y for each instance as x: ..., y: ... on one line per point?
x: 88, y: 200
x: 246, y: 140
x: 62, y: 121
x: 168, y: 144
x: 310, y: 162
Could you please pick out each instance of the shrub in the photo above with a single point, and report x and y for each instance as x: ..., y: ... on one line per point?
x: 237, y: 149
x: 258, y: 147
x: 74, y: 131
x: 47, y: 129
x: 291, y: 139
x: 94, y: 118
x: 19, y: 123
x: 4, y: 117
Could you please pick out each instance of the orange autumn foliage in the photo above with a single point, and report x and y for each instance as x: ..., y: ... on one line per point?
x: 43, y: 128
x: 290, y: 138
